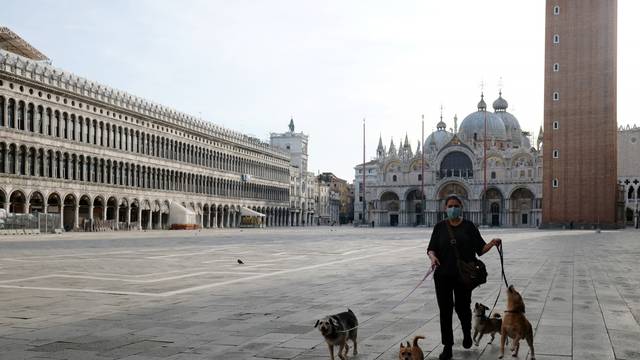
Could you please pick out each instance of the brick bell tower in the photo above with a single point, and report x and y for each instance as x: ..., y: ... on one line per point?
x: 580, y: 125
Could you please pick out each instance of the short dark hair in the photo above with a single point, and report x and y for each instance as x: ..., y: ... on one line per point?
x: 453, y: 197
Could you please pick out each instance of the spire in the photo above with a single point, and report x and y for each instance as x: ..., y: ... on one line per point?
x: 380, y: 150
x: 441, y: 125
x: 500, y: 104
x: 406, y: 140
x: 540, y: 138
x: 455, y: 123
x: 292, y: 127
x: 482, y: 106
x: 392, y: 148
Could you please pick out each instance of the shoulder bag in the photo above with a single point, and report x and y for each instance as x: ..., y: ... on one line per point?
x: 472, y: 273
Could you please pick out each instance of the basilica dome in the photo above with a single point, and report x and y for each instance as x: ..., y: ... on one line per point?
x: 438, y: 138
x: 511, y: 123
x: 473, y: 126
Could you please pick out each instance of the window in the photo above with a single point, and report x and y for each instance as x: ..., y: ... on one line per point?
x: 360, y: 198
x: 556, y: 10
x: 525, y: 219
x: 395, y: 178
x: 554, y: 183
x: 556, y: 96
x: 556, y: 39
x: 493, y: 174
x: 556, y: 67
x: 419, y: 177
x: 556, y: 153
x: 556, y: 125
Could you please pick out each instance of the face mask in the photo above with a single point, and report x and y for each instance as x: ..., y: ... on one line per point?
x: 454, y: 212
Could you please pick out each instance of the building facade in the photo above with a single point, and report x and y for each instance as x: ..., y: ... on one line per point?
x: 302, y: 182
x: 327, y: 199
x: 93, y: 154
x: 629, y: 172
x: 508, y: 193
x: 580, y: 182
x: 344, y: 193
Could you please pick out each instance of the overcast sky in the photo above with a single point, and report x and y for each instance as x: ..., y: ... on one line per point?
x: 251, y: 65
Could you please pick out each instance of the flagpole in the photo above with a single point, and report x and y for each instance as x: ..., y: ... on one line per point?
x: 422, y: 176
x: 364, y: 173
x: 484, y: 200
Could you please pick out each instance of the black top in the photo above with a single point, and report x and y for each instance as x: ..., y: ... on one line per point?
x: 468, y: 241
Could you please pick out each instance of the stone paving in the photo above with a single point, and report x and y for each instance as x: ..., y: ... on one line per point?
x: 182, y: 295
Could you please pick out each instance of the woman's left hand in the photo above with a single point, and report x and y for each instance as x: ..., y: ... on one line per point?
x: 496, y: 242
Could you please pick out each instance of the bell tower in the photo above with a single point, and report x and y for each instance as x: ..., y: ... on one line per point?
x: 580, y: 125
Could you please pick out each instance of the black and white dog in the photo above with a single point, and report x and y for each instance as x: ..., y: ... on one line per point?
x: 337, y: 329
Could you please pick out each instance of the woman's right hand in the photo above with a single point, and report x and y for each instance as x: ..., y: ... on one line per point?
x: 434, y: 259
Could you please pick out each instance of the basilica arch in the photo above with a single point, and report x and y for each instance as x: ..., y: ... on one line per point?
x: 414, y: 207
x: 521, y: 206
x: 493, y: 207
x: 388, y: 209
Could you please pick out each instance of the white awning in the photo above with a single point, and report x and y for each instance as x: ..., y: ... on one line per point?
x: 248, y: 212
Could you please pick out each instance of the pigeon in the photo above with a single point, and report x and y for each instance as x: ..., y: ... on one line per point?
x: 240, y: 262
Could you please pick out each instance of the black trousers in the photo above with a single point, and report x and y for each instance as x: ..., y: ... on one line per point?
x: 446, y: 289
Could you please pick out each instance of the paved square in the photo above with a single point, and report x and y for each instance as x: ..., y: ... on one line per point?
x: 183, y: 295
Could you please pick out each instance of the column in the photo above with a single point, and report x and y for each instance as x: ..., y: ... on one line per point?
x: 139, y: 217
x: 160, y: 221
x: 215, y: 218
x: 128, y: 217
x: 61, y: 213
x: 117, y: 225
x: 91, y: 215
x: 149, y: 220
x: 76, y: 215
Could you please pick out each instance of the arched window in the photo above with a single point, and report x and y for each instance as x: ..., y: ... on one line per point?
x: 2, y: 110
x: 56, y: 123
x: 456, y: 164
x: 20, y: 115
x: 40, y: 119
x: 11, y: 113
x: 395, y: 178
x: 30, y: 115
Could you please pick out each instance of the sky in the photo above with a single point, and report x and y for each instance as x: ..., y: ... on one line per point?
x: 252, y: 65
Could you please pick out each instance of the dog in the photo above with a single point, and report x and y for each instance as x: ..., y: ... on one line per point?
x: 515, y: 324
x: 337, y: 329
x: 485, y: 325
x: 411, y: 352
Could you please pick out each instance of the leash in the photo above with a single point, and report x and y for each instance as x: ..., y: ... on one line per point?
x: 503, y: 277
x: 433, y: 268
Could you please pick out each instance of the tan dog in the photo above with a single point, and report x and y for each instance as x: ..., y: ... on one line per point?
x: 410, y: 352
x: 483, y: 324
x: 515, y: 325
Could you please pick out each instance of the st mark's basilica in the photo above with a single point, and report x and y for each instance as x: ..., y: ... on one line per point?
x: 454, y: 162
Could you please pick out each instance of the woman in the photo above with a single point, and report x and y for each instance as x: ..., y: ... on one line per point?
x: 446, y: 277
